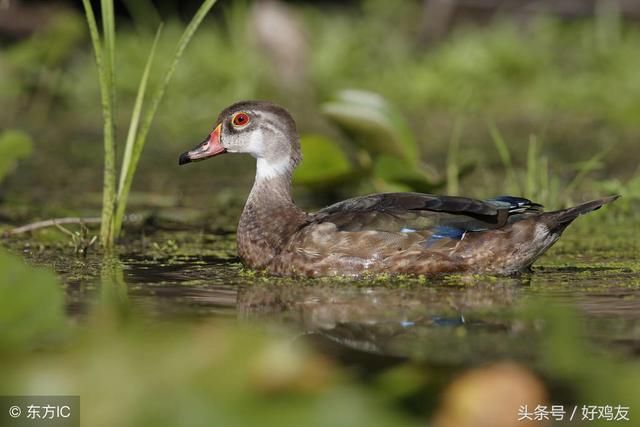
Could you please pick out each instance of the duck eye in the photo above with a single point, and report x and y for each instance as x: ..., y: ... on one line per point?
x: 240, y: 119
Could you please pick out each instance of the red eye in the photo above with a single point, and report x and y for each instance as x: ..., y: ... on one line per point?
x: 240, y: 119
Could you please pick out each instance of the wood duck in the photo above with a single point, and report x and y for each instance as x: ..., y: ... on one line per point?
x: 410, y: 233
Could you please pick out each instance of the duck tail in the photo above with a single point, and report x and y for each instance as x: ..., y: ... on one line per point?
x: 557, y: 221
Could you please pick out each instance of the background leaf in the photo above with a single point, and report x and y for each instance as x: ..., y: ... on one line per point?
x: 395, y: 170
x: 374, y: 123
x: 324, y: 163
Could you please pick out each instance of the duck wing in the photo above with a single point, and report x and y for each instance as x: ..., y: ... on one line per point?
x: 410, y: 212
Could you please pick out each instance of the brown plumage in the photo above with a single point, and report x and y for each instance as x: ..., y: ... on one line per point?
x: 382, y: 233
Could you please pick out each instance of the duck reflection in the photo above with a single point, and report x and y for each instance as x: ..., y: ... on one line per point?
x: 444, y: 322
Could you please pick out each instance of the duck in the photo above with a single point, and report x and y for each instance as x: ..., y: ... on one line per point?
x: 386, y: 233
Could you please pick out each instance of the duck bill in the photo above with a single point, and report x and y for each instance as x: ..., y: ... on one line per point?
x: 210, y: 147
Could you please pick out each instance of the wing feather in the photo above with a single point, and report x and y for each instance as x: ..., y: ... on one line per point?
x: 411, y: 212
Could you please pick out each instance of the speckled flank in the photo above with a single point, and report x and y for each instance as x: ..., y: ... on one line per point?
x: 321, y: 250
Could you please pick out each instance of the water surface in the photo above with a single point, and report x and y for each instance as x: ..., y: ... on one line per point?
x: 193, y: 275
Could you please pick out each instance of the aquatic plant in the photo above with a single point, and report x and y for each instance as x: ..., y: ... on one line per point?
x: 115, y: 197
x: 385, y: 151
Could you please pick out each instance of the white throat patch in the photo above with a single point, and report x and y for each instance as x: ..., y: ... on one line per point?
x: 255, y: 147
x: 267, y: 170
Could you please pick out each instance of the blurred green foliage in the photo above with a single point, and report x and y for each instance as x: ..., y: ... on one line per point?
x: 590, y: 375
x: 50, y: 47
x: 201, y: 376
x: 34, y: 64
x: 325, y: 163
x: 31, y: 306
x: 14, y: 145
x: 513, y: 76
x: 501, y: 69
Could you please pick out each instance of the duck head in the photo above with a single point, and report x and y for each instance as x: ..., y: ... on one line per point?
x: 260, y: 128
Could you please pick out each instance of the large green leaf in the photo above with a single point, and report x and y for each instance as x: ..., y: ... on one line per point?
x: 14, y: 145
x: 395, y: 170
x: 324, y: 163
x: 373, y: 123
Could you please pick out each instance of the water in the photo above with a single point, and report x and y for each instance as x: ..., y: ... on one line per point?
x: 453, y: 320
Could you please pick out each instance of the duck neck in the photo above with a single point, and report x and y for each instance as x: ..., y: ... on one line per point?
x: 268, y: 220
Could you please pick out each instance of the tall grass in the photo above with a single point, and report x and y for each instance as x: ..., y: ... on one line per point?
x: 513, y: 185
x: 115, y: 198
x: 536, y: 181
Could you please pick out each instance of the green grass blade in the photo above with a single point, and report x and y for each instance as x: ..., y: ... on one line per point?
x: 109, y: 190
x: 453, y: 160
x: 505, y: 157
x: 533, y: 172
x: 109, y: 32
x: 132, y: 133
x: 155, y: 102
x: 106, y: 91
x: 544, y: 181
x: 595, y: 162
x: 93, y: 31
x: 109, y: 52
